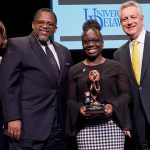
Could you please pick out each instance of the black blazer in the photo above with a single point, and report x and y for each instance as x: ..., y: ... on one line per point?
x: 30, y: 88
x: 114, y: 89
x: 139, y: 93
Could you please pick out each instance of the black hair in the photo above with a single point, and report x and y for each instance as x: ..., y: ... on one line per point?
x: 91, y: 24
x: 45, y: 10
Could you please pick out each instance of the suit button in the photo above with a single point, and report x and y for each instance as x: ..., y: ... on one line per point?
x: 140, y: 88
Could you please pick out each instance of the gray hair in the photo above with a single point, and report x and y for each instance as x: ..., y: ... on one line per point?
x: 128, y: 4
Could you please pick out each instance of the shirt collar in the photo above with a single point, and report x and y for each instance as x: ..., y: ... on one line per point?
x: 140, y: 38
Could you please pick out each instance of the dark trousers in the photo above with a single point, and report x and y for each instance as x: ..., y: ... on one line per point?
x: 55, y: 141
x: 141, y: 131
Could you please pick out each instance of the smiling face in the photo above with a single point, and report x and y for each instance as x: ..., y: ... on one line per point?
x: 44, y: 26
x: 92, y: 43
x: 131, y: 21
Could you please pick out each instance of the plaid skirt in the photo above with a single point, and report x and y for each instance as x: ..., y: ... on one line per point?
x: 105, y: 135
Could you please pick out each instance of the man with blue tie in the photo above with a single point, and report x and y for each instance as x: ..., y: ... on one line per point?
x: 135, y: 58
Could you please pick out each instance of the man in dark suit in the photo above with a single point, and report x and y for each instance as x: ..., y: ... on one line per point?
x: 131, y: 19
x: 33, y: 91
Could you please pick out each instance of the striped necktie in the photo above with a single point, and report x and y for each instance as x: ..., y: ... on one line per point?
x: 136, y: 61
x: 52, y: 60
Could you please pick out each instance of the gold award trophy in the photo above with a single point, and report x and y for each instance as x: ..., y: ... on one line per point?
x: 92, y: 97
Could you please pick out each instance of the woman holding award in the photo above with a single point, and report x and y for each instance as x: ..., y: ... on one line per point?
x: 98, y: 97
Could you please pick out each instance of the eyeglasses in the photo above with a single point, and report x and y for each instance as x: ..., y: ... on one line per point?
x: 41, y: 23
x: 95, y: 41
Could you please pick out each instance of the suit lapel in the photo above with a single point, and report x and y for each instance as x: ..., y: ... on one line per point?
x: 60, y: 58
x: 43, y: 58
x: 146, y: 55
x: 127, y: 58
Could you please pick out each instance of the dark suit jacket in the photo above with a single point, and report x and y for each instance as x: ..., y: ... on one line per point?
x: 140, y: 94
x: 30, y: 88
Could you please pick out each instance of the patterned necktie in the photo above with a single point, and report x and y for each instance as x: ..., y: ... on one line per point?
x: 52, y: 59
x: 136, y: 61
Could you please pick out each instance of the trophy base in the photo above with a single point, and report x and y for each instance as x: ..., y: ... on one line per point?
x: 94, y: 109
